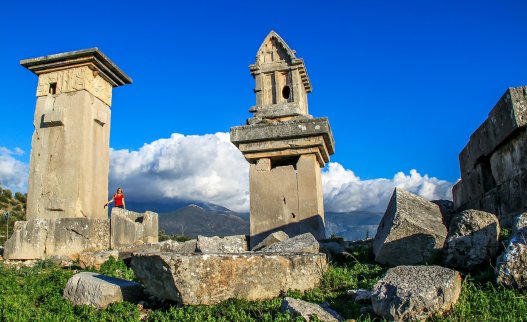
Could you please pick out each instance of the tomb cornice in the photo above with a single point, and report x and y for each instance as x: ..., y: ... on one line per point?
x: 93, y: 58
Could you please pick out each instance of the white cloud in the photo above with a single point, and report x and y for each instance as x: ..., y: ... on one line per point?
x: 344, y: 191
x: 197, y: 167
x: 13, y: 172
x: 209, y: 168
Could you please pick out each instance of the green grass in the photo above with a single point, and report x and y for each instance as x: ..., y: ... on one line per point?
x: 31, y: 294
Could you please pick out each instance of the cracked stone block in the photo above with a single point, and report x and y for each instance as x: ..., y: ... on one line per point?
x: 133, y: 228
x: 42, y: 238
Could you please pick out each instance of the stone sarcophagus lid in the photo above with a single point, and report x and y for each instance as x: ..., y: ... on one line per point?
x: 285, y: 146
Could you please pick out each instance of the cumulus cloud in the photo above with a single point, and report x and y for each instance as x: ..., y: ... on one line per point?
x: 193, y: 167
x: 209, y: 168
x: 13, y: 172
x: 344, y: 191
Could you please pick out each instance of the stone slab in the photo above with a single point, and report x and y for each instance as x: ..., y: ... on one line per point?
x: 212, y: 278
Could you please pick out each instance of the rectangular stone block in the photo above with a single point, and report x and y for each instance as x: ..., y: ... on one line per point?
x: 284, y: 130
x: 207, y: 279
x: 510, y: 159
x: 41, y: 238
x: 132, y: 228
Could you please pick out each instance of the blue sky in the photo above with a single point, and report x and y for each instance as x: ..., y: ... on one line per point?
x: 403, y: 83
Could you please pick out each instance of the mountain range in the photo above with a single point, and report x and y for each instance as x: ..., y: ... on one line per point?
x: 192, y: 218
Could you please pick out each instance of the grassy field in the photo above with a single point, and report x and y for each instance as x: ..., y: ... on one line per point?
x: 35, y: 294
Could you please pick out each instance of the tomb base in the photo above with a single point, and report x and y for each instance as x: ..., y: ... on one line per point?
x: 41, y: 238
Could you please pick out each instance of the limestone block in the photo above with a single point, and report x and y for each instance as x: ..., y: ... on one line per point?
x: 272, y: 239
x: 96, y: 259
x: 132, y: 228
x: 273, y: 202
x: 304, y: 243
x: 411, y: 293
x: 212, y: 278
x: 99, y: 291
x: 41, y: 238
x: 472, y: 240
x: 310, y: 197
x: 68, y: 175
x: 308, y: 310
x: 227, y: 244
x: 410, y: 232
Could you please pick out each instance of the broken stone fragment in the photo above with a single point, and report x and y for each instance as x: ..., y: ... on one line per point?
x: 212, y: 278
x: 359, y: 295
x: 305, y: 243
x: 309, y: 310
x: 408, y: 293
x: 472, y: 239
x: 276, y: 237
x: 410, y: 232
x: 511, y: 265
x: 133, y: 228
x: 227, y: 244
x: 96, y: 259
x: 99, y: 291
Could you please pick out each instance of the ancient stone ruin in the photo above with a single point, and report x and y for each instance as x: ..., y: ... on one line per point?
x: 285, y: 146
x: 68, y: 177
x: 494, y: 162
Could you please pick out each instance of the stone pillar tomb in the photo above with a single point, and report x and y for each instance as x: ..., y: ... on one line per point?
x: 285, y: 146
x: 68, y: 177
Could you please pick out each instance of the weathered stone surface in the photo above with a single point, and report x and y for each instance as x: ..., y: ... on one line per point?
x: 304, y: 243
x: 227, y: 244
x: 132, y: 228
x: 511, y: 265
x: 212, y: 278
x: 494, y: 162
x: 41, y: 238
x: 273, y: 238
x: 96, y: 259
x: 472, y: 239
x: 286, y: 198
x: 410, y: 232
x: 168, y: 245
x: 308, y: 310
x: 415, y: 292
x: 99, y: 291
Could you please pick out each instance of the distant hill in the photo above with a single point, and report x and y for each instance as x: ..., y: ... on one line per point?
x: 192, y: 218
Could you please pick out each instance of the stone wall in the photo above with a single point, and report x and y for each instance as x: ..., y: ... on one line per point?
x: 494, y: 162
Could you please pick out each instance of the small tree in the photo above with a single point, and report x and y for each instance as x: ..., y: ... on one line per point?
x: 20, y: 197
x: 7, y: 193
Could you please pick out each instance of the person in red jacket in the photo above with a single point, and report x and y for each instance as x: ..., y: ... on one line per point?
x: 118, y: 197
